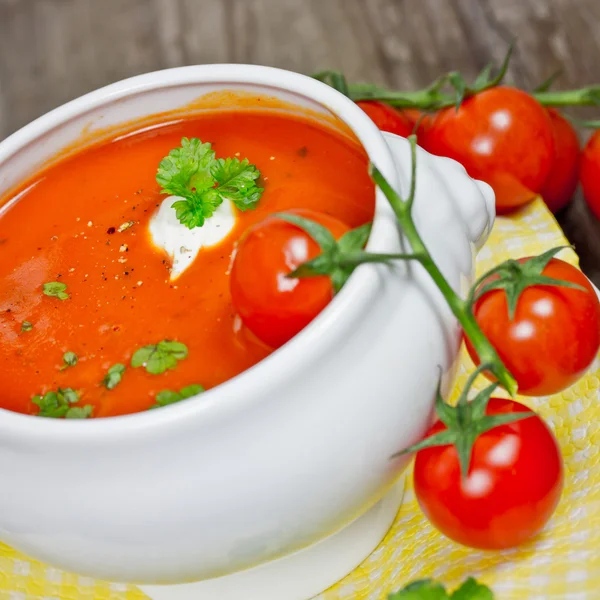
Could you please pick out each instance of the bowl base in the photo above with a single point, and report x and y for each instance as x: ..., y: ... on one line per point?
x: 301, y: 575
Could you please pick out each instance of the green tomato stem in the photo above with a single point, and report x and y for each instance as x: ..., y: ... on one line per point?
x: 423, y: 99
x: 433, y: 99
x: 461, y: 309
x: 589, y: 96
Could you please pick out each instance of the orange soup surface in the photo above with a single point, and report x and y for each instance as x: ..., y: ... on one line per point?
x: 68, y: 226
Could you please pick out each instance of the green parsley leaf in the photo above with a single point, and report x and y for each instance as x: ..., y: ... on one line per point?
x: 185, y: 172
x: 56, y: 404
x: 79, y: 412
x: 50, y: 405
x: 196, y: 208
x: 69, y: 395
x: 186, y: 168
x: 236, y: 181
x: 472, y: 590
x: 69, y: 359
x: 56, y: 289
x: 191, y: 390
x: 157, y: 358
x: 425, y: 589
x: 192, y: 173
x: 114, y: 376
x: 26, y: 326
x: 166, y: 397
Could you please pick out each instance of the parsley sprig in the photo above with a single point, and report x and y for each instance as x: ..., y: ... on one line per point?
x: 194, y: 174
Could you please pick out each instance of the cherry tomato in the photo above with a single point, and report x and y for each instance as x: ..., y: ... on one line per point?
x: 590, y: 173
x: 514, y: 482
x: 554, y: 335
x: 502, y: 136
x: 273, y: 307
x: 559, y: 187
x: 387, y: 118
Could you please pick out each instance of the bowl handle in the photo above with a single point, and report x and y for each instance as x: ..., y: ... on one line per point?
x: 473, y: 200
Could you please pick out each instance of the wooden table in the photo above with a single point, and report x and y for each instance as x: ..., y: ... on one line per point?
x: 54, y: 50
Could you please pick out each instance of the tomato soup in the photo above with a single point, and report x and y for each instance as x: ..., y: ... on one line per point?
x: 84, y: 223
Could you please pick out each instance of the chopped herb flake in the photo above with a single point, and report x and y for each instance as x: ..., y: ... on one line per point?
x: 69, y: 359
x: 26, y: 326
x: 114, y: 376
x: 71, y: 396
x: 157, y: 358
x: 166, y: 397
x: 56, y: 289
x: 79, y: 412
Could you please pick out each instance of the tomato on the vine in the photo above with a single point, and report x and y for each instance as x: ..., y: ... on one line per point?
x: 274, y: 307
x: 554, y: 334
x: 590, y: 173
x: 403, y: 122
x: 387, y: 118
x: 513, y: 485
x: 501, y: 135
x: 559, y: 187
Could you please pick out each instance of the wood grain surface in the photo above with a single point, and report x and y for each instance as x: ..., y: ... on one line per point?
x: 54, y: 50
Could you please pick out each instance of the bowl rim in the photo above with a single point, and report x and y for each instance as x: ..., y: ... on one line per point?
x: 340, y: 314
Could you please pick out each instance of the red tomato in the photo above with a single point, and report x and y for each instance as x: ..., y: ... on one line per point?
x: 387, y: 118
x: 559, y: 187
x: 421, y: 120
x: 272, y: 306
x: 513, y: 486
x: 555, y: 333
x: 502, y: 136
x: 590, y: 173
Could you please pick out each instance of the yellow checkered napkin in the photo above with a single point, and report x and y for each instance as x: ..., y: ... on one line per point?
x: 562, y: 564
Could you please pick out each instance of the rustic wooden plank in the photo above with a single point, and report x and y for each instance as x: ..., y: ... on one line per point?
x: 304, y: 36
x: 54, y: 50
x: 418, y: 40
x: 192, y: 32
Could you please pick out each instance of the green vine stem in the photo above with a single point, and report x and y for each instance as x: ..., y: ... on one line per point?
x: 588, y: 96
x: 461, y: 309
x: 451, y: 89
x: 429, y: 99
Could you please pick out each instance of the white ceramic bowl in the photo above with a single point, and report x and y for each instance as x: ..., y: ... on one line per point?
x: 290, y: 451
